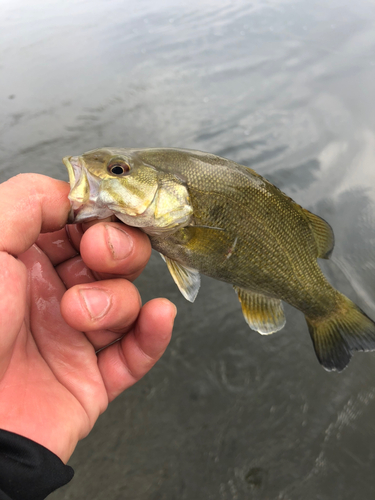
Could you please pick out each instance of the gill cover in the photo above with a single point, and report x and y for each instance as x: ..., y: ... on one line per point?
x: 131, y: 194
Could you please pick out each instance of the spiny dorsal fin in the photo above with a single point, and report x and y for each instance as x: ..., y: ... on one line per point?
x: 186, y: 278
x: 323, y: 234
x: 263, y: 314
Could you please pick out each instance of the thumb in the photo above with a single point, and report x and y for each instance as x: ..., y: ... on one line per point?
x: 30, y: 204
x: 13, y: 284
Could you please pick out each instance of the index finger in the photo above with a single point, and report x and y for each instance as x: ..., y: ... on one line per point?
x: 30, y: 204
x: 113, y: 249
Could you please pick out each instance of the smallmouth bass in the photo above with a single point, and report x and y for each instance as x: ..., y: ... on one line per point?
x: 206, y: 214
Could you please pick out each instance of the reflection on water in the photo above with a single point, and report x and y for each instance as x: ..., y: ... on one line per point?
x: 286, y: 87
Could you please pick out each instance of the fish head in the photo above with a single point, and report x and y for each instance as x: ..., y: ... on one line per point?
x: 117, y: 181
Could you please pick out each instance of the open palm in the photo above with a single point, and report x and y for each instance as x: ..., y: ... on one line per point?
x: 62, y: 300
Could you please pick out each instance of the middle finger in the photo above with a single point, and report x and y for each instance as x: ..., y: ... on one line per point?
x: 108, y: 250
x: 110, y: 305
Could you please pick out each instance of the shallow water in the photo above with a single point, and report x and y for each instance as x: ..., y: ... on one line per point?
x: 286, y: 87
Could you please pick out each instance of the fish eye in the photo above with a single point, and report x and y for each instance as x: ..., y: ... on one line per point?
x: 118, y: 168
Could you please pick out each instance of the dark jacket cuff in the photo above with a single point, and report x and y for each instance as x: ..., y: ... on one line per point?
x: 28, y: 470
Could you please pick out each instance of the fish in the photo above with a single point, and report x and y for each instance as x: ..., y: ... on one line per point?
x: 209, y: 215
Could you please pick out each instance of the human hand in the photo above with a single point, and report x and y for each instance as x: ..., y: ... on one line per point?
x: 57, y: 308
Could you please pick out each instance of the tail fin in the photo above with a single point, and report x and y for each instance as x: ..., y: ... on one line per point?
x: 335, y: 338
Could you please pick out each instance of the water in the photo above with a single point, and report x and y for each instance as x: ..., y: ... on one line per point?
x: 286, y: 87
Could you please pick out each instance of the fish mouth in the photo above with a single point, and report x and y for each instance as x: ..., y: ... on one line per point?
x: 84, y: 193
x: 71, y: 170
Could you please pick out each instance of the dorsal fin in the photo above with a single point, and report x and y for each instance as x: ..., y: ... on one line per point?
x: 323, y: 234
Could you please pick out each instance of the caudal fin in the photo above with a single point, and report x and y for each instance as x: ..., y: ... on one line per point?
x: 335, y: 338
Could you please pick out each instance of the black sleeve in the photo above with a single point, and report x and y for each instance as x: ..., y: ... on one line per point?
x: 28, y: 471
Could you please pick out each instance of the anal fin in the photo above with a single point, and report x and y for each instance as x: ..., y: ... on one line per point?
x: 186, y: 278
x: 263, y: 314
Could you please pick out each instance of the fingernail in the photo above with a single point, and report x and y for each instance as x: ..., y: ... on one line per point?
x: 96, y: 301
x: 119, y: 242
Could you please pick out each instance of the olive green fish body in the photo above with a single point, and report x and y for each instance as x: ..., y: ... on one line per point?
x: 207, y: 214
x: 238, y: 214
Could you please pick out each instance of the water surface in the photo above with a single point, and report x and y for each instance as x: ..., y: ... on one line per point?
x: 286, y: 87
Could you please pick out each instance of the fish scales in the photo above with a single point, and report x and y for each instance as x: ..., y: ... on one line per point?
x: 206, y: 214
x: 257, y: 201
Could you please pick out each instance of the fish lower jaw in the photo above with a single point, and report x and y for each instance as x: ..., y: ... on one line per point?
x: 149, y: 225
x: 86, y: 213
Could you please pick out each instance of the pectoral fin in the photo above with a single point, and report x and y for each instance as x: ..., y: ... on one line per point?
x: 263, y: 314
x: 186, y: 278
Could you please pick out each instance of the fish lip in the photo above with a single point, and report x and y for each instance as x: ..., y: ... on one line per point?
x: 69, y: 167
x: 75, y: 169
x: 72, y: 180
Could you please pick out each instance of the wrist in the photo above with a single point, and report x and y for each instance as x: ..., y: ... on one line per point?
x: 57, y: 442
